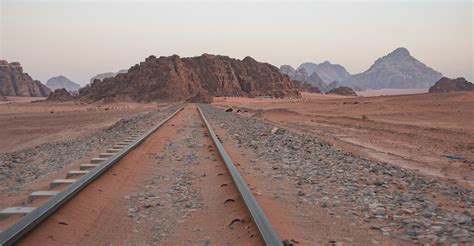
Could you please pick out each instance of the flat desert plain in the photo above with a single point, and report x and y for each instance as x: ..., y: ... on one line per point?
x: 430, y: 133
x: 24, y: 124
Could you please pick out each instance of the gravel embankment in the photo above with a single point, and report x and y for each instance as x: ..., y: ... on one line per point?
x: 18, y: 169
x: 397, y: 202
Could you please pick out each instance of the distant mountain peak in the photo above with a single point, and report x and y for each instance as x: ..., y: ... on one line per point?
x: 397, y: 70
x: 62, y: 82
x: 400, y: 52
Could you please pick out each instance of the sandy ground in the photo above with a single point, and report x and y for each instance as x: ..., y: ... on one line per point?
x: 390, y: 92
x: 418, y: 132
x: 24, y: 124
x: 99, y: 212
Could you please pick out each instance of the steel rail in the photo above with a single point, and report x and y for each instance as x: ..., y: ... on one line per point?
x: 269, y: 235
x: 33, y: 219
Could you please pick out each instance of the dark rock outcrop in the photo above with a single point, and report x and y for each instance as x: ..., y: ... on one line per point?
x: 175, y: 78
x: 60, y: 82
x: 397, y: 70
x: 13, y: 82
x: 450, y: 85
x: 344, y: 91
x: 60, y: 95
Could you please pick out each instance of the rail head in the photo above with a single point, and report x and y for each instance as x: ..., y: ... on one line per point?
x: 31, y: 220
x: 269, y: 235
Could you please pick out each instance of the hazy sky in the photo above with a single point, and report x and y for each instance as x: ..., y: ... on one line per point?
x: 80, y: 39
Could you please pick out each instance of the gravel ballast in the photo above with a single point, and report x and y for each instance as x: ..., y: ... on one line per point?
x: 20, y: 168
x: 397, y: 202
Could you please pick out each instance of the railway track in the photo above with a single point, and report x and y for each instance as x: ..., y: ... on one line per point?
x: 92, y: 171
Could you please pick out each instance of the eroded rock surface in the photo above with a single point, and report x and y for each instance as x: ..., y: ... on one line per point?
x: 13, y: 82
x: 176, y: 78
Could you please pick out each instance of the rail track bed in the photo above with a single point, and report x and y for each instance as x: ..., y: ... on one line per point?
x: 173, y: 184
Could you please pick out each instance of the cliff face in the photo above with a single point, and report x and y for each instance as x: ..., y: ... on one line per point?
x: 175, y: 78
x: 13, y: 82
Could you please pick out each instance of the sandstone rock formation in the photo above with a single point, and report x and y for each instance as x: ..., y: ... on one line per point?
x: 102, y: 76
x: 450, y: 85
x: 60, y: 95
x: 344, y: 91
x: 326, y: 71
x: 13, y: 82
x: 396, y: 70
x: 62, y: 82
x: 175, y: 78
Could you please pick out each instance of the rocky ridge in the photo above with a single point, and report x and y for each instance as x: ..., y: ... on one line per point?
x: 302, y: 76
x: 13, y: 82
x: 451, y: 85
x: 176, y: 78
x: 394, y: 201
x: 327, y: 72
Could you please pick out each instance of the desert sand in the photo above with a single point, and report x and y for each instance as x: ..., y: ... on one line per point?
x: 430, y: 133
x: 24, y: 124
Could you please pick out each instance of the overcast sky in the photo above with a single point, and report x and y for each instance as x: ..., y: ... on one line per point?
x: 80, y: 39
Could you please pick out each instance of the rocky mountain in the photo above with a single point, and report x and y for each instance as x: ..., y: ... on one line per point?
x: 102, y: 76
x: 450, y: 85
x: 301, y: 75
x: 61, y: 82
x: 13, y: 82
x: 176, y: 78
x: 397, y: 70
x: 326, y: 71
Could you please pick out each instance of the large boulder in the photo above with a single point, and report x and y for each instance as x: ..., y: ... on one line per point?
x: 450, y: 85
x: 174, y: 79
x: 13, y: 82
x: 343, y: 91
